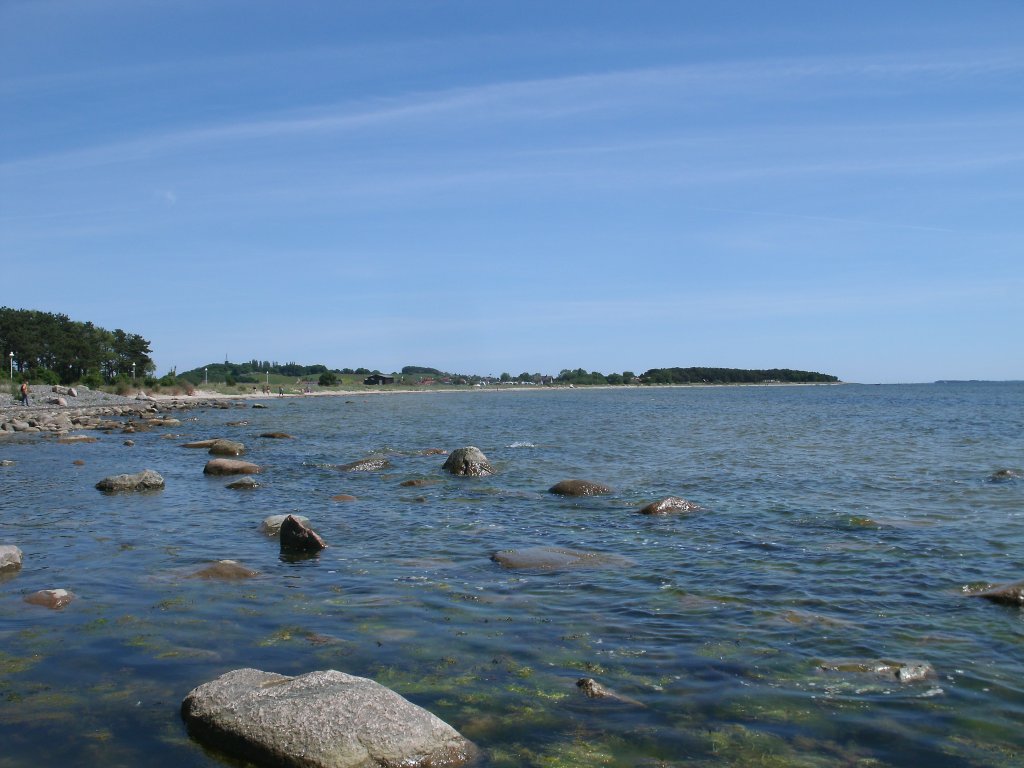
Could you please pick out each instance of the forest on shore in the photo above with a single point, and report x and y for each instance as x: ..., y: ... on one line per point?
x: 49, y: 348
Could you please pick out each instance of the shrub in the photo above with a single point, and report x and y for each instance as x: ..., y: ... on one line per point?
x: 45, y: 376
x: 327, y: 379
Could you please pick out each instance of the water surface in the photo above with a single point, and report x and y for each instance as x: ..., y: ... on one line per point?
x: 840, y: 524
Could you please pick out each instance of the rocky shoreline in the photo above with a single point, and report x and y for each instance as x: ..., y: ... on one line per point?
x: 61, y: 410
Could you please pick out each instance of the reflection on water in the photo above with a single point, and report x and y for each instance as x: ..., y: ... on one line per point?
x: 840, y: 526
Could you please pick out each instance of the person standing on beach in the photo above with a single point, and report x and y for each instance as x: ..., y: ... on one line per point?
x: 24, y: 393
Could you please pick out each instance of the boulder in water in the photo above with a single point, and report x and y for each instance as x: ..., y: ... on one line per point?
x: 669, y: 505
x: 298, y: 537
x: 324, y: 719
x: 468, y: 462
x: 226, y: 448
x: 554, y: 558
x: 1005, y: 475
x: 146, y: 480
x: 1005, y: 594
x: 272, y: 525
x: 371, y: 464
x: 230, y: 467
x: 10, y: 557
x: 579, y: 488
x: 54, y: 599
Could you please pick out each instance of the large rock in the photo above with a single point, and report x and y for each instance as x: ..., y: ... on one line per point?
x: 226, y: 448
x: 244, y: 483
x: 325, y: 719
x: 579, y: 488
x: 146, y: 480
x: 669, y: 505
x: 230, y: 467
x: 296, y: 536
x: 10, y: 557
x: 468, y: 462
x: 1006, y: 594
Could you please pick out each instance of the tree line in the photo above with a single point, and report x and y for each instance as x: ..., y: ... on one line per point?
x: 54, y: 349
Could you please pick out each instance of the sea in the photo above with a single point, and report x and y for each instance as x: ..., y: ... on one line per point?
x: 841, y: 534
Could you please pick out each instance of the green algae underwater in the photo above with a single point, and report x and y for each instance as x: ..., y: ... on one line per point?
x: 839, y: 528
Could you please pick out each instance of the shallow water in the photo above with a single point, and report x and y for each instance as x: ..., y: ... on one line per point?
x: 841, y: 523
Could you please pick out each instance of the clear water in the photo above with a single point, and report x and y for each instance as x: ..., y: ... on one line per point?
x: 840, y: 523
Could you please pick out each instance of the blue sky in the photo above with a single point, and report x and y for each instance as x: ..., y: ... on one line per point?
x: 523, y: 186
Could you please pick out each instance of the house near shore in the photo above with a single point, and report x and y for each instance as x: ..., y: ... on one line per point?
x: 376, y: 379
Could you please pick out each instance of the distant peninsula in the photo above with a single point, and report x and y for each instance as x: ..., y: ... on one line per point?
x: 261, y: 372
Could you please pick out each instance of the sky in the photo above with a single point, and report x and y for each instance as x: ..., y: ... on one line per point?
x: 488, y: 186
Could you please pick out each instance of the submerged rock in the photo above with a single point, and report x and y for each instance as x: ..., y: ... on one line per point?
x: 147, y: 480
x: 372, y: 464
x: 299, y: 537
x: 343, y: 497
x: 468, y: 462
x: 552, y: 558
x: 1005, y: 475
x: 670, y: 505
x: 272, y: 525
x: 898, y: 671
x: 230, y: 467
x: 225, y: 570
x: 54, y: 599
x: 75, y: 439
x: 277, y: 436
x: 10, y: 557
x: 324, y: 719
x: 579, y: 488
x: 244, y: 484
x: 595, y: 690
x: 1005, y: 594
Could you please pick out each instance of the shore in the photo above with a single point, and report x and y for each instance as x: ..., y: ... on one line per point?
x: 55, y: 409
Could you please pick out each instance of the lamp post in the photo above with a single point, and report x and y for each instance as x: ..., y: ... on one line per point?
x: 268, y: 378
x: 206, y: 375
x: 11, y: 355
x: 133, y: 373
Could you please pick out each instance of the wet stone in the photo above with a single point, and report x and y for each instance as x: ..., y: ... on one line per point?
x: 468, y: 462
x: 299, y: 537
x: 272, y: 525
x: 147, y: 480
x: 372, y: 464
x: 10, y: 557
x: 54, y: 599
x: 323, y: 719
x: 670, y: 505
x: 579, y: 488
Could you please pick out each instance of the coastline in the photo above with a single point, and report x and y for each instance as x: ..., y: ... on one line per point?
x: 45, y: 412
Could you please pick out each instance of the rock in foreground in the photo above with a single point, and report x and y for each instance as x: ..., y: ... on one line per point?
x: 146, y: 480
x: 468, y: 462
x: 325, y: 719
